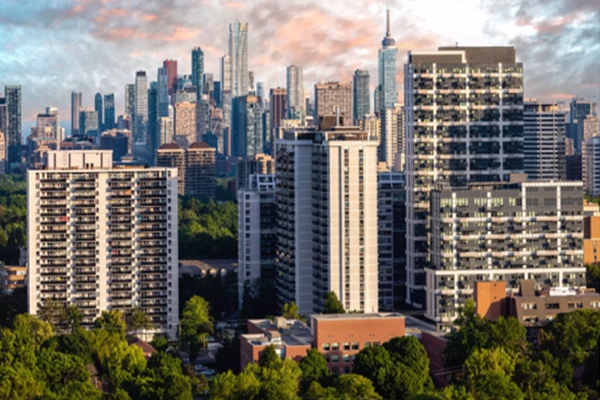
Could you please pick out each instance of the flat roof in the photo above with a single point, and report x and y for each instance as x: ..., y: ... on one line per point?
x: 323, y: 317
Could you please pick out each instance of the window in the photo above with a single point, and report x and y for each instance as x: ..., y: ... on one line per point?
x: 335, y: 346
x: 552, y: 306
x: 595, y: 304
x: 367, y: 344
x: 529, y: 306
x: 326, y: 347
x: 335, y: 370
x: 346, y: 370
x: 327, y: 358
x: 346, y: 346
x: 355, y: 346
x: 346, y: 358
x: 376, y: 344
x: 335, y: 358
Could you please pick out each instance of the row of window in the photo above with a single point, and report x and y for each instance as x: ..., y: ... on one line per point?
x: 348, y: 346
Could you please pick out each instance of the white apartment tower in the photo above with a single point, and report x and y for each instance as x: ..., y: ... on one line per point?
x: 103, y: 237
x: 327, y: 218
x: 464, y: 123
x: 544, y: 140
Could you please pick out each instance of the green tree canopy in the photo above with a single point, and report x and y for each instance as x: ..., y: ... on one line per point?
x: 269, y: 358
x: 333, y: 305
x: 290, y: 311
x: 196, y: 322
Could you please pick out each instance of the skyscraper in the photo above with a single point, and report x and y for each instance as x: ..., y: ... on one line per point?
x: 198, y: 70
x: 163, y: 92
x: 83, y: 217
x: 171, y: 155
x: 3, y: 129
x: 591, y: 166
x: 544, y: 140
x: 295, y: 93
x: 75, y: 106
x: 130, y: 100
x: 2, y: 152
x: 98, y: 107
x: 334, y: 98
x: 362, y: 95
x: 200, y: 163
x: 456, y: 146
x: 171, y: 67
x: 327, y: 218
x: 88, y: 122
x: 238, y: 51
x: 185, y: 124
x: 579, y: 110
x: 13, y: 125
x: 153, y: 138
x: 278, y: 105
x: 109, y: 111
x: 247, y: 126
x: 388, y: 95
x: 140, y: 117
x: 387, y: 151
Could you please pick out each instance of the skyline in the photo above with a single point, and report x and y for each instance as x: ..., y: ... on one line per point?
x: 113, y: 39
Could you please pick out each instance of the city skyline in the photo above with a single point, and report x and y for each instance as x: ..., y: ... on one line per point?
x: 111, y: 40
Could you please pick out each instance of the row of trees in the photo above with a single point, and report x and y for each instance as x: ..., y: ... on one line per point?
x: 207, y: 230
x: 38, y: 362
x: 13, y: 215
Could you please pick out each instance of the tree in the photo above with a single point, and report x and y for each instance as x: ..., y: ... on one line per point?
x: 12, y: 305
x: 469, y: 334
x: 269, y: 358
x: 166, y: 378
x: 136, y: 320
x: 18, y: 382
x: 408, y: 351
x: 290, y: 311
x: 333, y: 305
x: 489, y: 373
x: 196, y: 322
x: 280, y: 382
x: 160, y: 343
x: 353, y: 386
x: 375, y: 363
x: 228, y: 358
x: 65, y: 375
x: 123, y: 364
x: 111, y: 321
x: 593, y: 276
x: 314, y: 368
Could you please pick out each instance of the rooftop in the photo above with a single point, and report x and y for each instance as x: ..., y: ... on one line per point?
x: 339, y: 317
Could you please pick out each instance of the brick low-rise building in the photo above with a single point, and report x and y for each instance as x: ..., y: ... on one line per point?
x: 591, y: 240
x: 339, y: 337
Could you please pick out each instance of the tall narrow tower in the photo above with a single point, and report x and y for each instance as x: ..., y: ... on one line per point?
x: 75, y: 106
x: 387, y: 93
x: 238, y: 51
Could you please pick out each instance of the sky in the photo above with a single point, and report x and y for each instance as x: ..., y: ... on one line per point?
x: 54, y: 47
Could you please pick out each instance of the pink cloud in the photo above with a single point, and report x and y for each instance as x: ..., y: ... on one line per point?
x: 181, y: 35
x: 149, y: 17
x: 235, y: 5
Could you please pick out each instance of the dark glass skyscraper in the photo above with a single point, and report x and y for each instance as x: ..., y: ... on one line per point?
x: 13, y: 125
x: 198, y: 70
x: 109, y: 111
x: 153, y: 116
x: 362, y: 104
x: 99, y: 110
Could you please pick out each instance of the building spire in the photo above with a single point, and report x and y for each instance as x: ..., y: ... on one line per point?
x: 387, y: 32
x: 388, y: 41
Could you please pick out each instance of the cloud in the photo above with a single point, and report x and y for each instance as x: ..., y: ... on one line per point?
x: 97, y: 45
